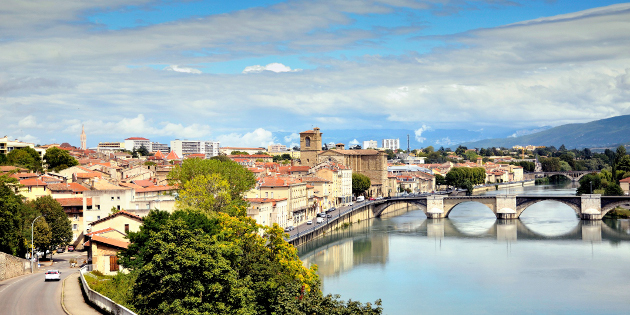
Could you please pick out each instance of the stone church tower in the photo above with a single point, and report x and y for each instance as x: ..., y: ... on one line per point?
x: 310, y: 146
x: 83, y: 139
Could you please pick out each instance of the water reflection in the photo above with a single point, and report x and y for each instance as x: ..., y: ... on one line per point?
x: 546, y: 262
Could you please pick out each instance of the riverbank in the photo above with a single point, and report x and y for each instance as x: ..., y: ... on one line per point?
x: 500, y: 186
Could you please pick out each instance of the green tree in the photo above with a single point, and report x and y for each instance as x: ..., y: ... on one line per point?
x: 460, y: 150
x: 286, y: 156
x: 42, y: 235
x: 613, y: 190
x: 239, y: 178
x: 564, y: 166
x: 239, y: 153
x: 57, y: 220
x: 3, y: 159
x: 210, y: 193
x: 25, y: 157
x: 585, y: 184
x: 440, y: 180
x: 468, y: 186
x: 360, y: 183
x: 12, y: 239
x: 428, y: 149
x: 58, y: 159
x: 390, y: 154
x: 550, y: 164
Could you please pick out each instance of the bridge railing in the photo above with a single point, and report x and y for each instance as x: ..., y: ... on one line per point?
x: 100, y: 300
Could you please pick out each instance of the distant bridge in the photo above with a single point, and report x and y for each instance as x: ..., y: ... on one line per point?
x: 586, y: 207
x: 572, y: 175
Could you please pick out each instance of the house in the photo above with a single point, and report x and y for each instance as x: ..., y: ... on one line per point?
x: 268, y: 211
x: 32, y: 188
x: 625, y: 185
x: 107, y: 237
x: 74, y: 209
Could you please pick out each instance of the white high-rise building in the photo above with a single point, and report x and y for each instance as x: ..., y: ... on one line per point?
x: 370, y: 144
x: 135, y: 143
x: 185, y: 147
x: 392, y: 144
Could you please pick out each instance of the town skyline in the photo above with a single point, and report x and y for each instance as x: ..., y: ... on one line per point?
x: 240, y: 74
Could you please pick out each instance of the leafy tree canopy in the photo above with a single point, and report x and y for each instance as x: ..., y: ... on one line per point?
x: 360, y: 183
x: 12, y: 239
x: 25, y: 157
x: 585, y: 184
x: 613, y: 190
x: 57, y: 219
x: 58, y: 159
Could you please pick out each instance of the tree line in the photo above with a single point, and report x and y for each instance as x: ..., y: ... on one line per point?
x: 56, y: 159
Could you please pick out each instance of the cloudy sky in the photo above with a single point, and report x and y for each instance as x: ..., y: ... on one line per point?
x: 250, y: 72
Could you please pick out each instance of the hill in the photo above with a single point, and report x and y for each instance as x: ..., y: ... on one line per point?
x: 607, y: 132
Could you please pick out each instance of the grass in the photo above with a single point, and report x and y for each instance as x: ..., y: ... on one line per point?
x: 117, y: 288
x: 618, y: 213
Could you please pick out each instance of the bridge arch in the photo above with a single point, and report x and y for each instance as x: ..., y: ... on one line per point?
x: 380, y: 209
x: 522, y: 205
x: 450, y: 204
x: 609, y: 206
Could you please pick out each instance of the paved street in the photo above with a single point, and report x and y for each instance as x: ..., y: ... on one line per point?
x: 305, y: 227
x: 31, y: 295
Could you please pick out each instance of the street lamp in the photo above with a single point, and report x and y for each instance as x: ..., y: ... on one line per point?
x: 32, y: 239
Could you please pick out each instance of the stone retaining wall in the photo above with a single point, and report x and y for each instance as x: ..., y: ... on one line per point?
x: 11, y: 266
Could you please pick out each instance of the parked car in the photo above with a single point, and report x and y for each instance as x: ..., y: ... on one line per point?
x: 379, y: 198
x: 360, y: 198
x: 350, y: 203
x: 309, y: 222
x: 321, y: 214
x: 60, y: 250
x: 372, y: 198
x: 287, y: 229
x: 53, y: 275
x: 320, y: 220
x: 331, y: 210
x: 329, y: 216
x: 71, y: 248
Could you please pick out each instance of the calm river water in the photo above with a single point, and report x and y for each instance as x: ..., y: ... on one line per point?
x: 548, y: 262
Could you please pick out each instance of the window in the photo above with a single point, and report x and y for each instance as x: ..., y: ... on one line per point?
x: 113, y: 263
x: 307, y: 141
x: 76, y: 217
x: 148, y: 206
x: 75, y: 226
x: 98, y: 207
x: 112, y: 197
x: 118, y: 197
x: 118, y: 207
x: 98, y: 217
x: 126, y: 228
x: 272, y: 194
x: 266, y: 194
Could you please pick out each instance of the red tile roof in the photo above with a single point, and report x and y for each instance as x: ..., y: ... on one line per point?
x: 109, y: 241
x: 172, y: 156
x: 88, y: 175
x: 625, y: 180
x: 100, y: 231
x: 76, y: 187
x: 136, y: 138
x: 59, y: 187
x: 159, y: 155
x: 155, y: 188
x: 71, y: 202
x: 32, y: 182
x: 144, y: 183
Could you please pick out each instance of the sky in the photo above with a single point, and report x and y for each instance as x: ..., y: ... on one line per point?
x: 252, y: 73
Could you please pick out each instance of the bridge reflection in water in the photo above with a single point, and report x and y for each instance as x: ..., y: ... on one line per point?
x: 367, y: 242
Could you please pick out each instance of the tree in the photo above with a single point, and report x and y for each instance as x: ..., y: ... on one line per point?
x: 58, y: 159
x: 56, y: 218
x: 613, y: 190
x: 360, y: 183
x: 286, y: 156
x: 209, y: 193
x: 565, y: 167
x: 587, y: 181
x: 428, y: 149
x: 458, y: 176
x: 12, y: 239
x: 440, y: 180
x: 390, y: 154
x: 42, y: 235
x: 3, y: 159
x: 550, y: 164
x: 460, y: 150
x: 25, y: 157
x: 619, y: 155
x: 239, y: 153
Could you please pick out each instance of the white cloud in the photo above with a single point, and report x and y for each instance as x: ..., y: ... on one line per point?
x: 292, y: 137
x: 418, y: 132
x: 257, y: 138
x: 273, y: 67
x: 138, y: 126
x: 182, y: 69
x: 354, y: 142
x: 27, y: 138
x: 444, y: 141
x: 28, y: 122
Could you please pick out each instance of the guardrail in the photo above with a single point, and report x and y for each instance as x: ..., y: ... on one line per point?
x: 100, y: 300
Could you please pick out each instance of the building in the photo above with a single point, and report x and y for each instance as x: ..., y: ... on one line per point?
x: 110, y: 146
x: 391, y: 144
x: 310, y: 146
x: 277, y: 148
x: 293, y: 190
x: 135, y: 143
x: 625, y: 185
x: 186, y: 147
x: 156, y: 146
x: 83, y: 139
x: 268, y: 211
x: 370, y: 144
x: 7, y: 145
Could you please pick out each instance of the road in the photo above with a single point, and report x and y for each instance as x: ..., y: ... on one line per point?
x: 305, y: 227
x: 31, y: 295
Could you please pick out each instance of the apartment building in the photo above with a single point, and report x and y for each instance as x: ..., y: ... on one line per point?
x: 277, y: 148
x: 135, y: 143
x: 269, y: 211
x: 185, y: 147
x: 370, y: 144
x: 392, y: 144
x: 7, y: 145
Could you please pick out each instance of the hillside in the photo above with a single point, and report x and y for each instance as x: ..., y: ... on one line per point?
x: 599, y: 133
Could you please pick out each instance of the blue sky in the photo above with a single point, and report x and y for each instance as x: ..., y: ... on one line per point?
x: 253, y: 72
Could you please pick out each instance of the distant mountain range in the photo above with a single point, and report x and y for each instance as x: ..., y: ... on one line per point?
x: 608, y: 132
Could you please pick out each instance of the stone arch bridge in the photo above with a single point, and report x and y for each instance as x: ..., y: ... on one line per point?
x: 574, y: 176
x: 586, y: 207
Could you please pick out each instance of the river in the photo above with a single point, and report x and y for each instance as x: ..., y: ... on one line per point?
x: 547, y: 262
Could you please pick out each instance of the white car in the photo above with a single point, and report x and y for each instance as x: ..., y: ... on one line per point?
x: 53, y: 275
x: 309, y: 222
